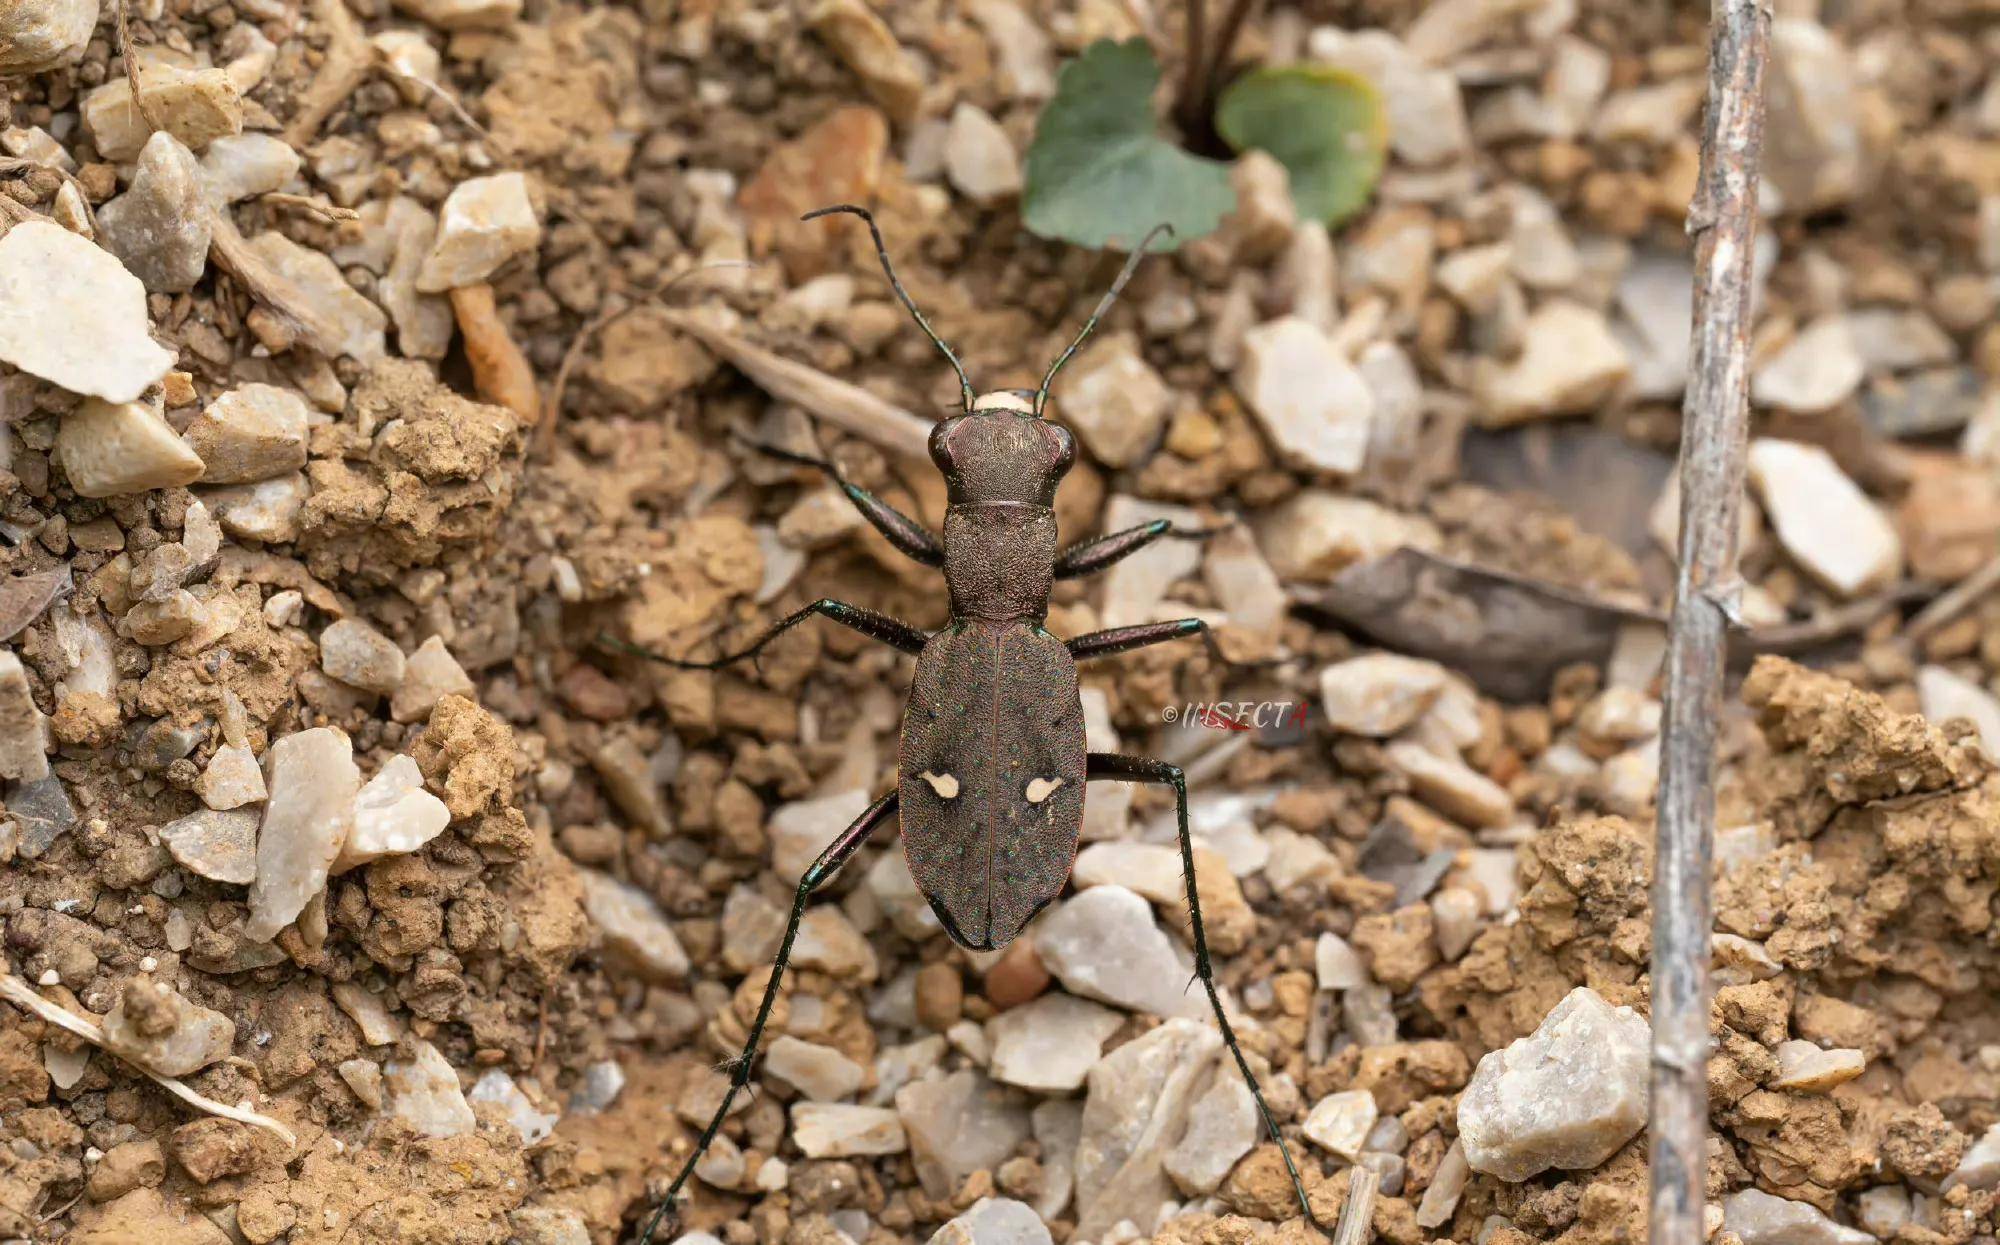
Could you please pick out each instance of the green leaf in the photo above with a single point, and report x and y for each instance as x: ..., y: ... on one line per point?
x: 1099, y: 173
x: 1325, y: 125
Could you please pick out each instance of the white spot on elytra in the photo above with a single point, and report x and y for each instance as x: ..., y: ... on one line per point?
x: 944, y: 784
x: 1040, y: 789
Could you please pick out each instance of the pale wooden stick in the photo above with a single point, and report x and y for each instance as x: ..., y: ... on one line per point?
x: 1357, y: 1217
x: 1714, y: 427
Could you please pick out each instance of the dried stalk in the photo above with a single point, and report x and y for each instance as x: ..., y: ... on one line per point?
x: 1714, y: 427
x: 19, y: 993
x: 1357, y: 1217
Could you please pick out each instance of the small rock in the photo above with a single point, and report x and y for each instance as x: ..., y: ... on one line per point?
x: 1943, y: 696
x: 1446, y: 1187
x: 1949, y: 519
x: 38, y: 35
x: 832, y: 1130
x: 1570, y: 362
x: 313, y: 781
x: 265, y: 511
x: 1338, y: 965
x: 1883, y: 1210
x: 109, y: 450
x: 1810, y: 1069
x: 559, y: 1225
x: 485, y: 222
x: 1456, y: 913
x: 633, y: 925
x: 196, y: 106
x: 1568, y: 1095
x: 979, y: 157
x: 338, y: 319
x: 838, y: 159
x: 1758, y: 1218
x: 1308, y: 398
x: 828, y: 941
x: 1980, y: 1167
x: 1103, y: 944
x: 24, y: 731
x: 1135, y: 588
x: 1892, y: 339
x: 430, y: 675
x: 1265, y: 219
x: 243, y: 166
x: 865, y: 44
x: 232, y: 779
x: 251, y: 433
x: 1656, y: 297
x: 1816, y: 371
x: 355, y: 653
x: 628, y: 779
x: 1378, y: 694
x: 126, y: 1167
x: 393, y: 815
x: 995, y: 1221
x: 424, y: 1092
x: 1816, y: 156
x: 1451, y: 786
x: 1474, y: 276
x: 161, y: 1031
x: 957, y: 1125
x: 821, y: 1073
x: 602, y: 1082
x: 218, y: 845
x: 1139, y: 1099
x: 1151, y: 869
x: 1823, y: 519
x: 1115, y: 401
x: 379, y: 1026
x: 463, y: 14
x: 1314, y: 535
x: 44, y: 812
x: 1051, y: 1044
x: 1223, y: 1124
x: 1340, y: 1123
x: 70, y: 313
x: 160, y: 227
x: 802, y: 829
x: 496, y: 1087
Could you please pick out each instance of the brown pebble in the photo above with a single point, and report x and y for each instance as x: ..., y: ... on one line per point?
x: 940, y: 996
x: 1017, y: 977
x: 124, y: 1168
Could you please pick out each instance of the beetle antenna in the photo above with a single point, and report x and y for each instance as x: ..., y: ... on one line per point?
x: 964, y: 382
x: 1103, y: 305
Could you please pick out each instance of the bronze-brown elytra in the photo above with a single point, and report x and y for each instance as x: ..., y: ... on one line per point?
x: 991, y: 778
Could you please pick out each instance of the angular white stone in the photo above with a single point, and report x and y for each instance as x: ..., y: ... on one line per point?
x: 979, y: 157
x: 959, y: 1124
x: 1115, y: 401
x: 1456, y: 912
x: 1139, y: 1100
x: 1103, y: 944
x: 821, y: 1073
x: 1151, y: 869
x: 485, y: 222
x: 393, y: 815
x: 1943, y: 696
x: 36, y: 35
x: 24, y: 731
x: 1314, y: 535
x: 424, y: 1092
x: 1222, y: 1126
x: 70, y: 313
x: 633, y: 924
x: 1446, y: 1187
x: 1816, y: 111
x: 1337, y: 964
x: 463, y: 14
x: 430, y: 675
x: 1378, y: 694
x: 242, y: 166
x: 355, y: 653
x: 1568, y: 1095
x: 1049, y: 1045
x: 832, y: 1130
x: 1817, y: 370
x: 193, y: 1038
x: 1761, y: 1219
x: 109, y: 450
x: 265, y: 511
x: 218, y: 845
x: 1806, y: 1067
x: 1305, y: 394
x: 1570, y: 362
x: 801, y: 830
x: 496, y: 1087
x: 1823, y: 519
x: 1980, y: 1168
x: 251, y: 433
x: 1451, y: 786
x: 1339, y: 1123
x: 343, y: 321
x: 379, y: 1026
x: 995, y: 1221
x: 313, y: 781
x: 233, y: 778
x: 160, y: 227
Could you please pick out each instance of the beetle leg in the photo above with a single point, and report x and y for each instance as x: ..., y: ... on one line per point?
x: 1125, y: 639
x: 825, y: 867
x: 908, y: 535
x: 1112, y: 766
x: 1087, y: 557
x: 891, y: 631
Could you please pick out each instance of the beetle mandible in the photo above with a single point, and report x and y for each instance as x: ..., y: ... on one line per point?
x: 993, y: 764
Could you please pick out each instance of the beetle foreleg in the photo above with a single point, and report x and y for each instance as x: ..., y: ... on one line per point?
x: 905, y: 533
x: 825, y: 867
x: 891, y: 631
x: 1087, y: 557
x: 1112, y: 766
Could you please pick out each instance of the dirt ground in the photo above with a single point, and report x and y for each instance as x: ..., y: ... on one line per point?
x: 513, y: 1032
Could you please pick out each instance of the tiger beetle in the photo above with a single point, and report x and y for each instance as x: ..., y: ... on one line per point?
x: 991, y: 779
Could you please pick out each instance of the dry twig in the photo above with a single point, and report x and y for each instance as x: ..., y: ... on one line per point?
x: 19, y: 993
x: 1357, y: 1217
x: 1714, y: 430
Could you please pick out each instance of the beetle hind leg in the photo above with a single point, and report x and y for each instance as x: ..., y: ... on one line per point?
x: 1112, y: 766
x: 828, y: 864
